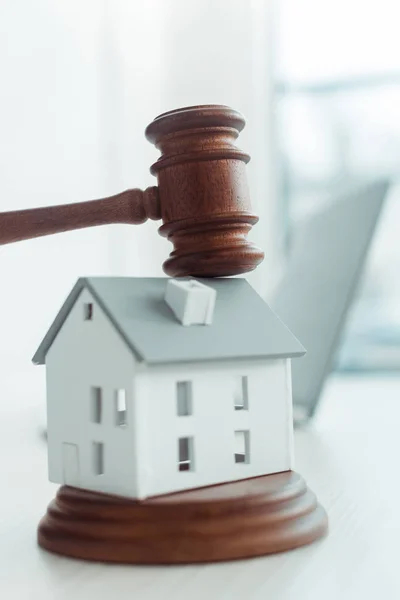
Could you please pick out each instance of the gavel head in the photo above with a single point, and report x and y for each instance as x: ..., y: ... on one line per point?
x: 204, y: 198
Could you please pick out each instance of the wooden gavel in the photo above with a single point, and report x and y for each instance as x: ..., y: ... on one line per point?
x: 202, y: 197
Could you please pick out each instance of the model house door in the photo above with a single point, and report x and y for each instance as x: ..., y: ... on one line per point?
x: 71, y: 464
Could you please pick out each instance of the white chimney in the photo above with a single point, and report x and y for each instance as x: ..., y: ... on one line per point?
x: 191, y: 301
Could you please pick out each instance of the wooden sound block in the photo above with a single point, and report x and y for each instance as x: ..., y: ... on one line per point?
x: 246, y: 518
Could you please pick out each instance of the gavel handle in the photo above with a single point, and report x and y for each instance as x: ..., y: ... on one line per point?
x: 132, y: 206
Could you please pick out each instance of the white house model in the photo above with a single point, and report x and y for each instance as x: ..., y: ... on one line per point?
x: 157, y: 385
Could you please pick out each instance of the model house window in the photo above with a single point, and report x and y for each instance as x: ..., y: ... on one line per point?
x: 98, y: 458
x: 88, y: 311
x: 96, y: 404
x: 242, y: 447
x: 241, y: 394
x: 185, y: 454
x: 120, y: 407
x: 184, y: 398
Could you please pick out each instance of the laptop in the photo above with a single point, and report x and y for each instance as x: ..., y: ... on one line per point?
x: 323, y: 270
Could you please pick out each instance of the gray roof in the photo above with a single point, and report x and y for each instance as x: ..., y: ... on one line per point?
x: 243, y: 324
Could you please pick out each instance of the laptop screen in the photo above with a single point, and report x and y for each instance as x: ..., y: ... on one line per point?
x: 323, y: 269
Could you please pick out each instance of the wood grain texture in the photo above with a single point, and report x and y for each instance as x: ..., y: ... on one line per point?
x: 247, y: 518
x: 347, y: 454
x: 205, y: 201
x: 132, y: 206
x: 202, y: 197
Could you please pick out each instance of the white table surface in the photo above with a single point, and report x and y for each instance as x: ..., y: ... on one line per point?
x: 349, y: 456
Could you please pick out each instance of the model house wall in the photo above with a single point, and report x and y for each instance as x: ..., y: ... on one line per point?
x: 211, y: 434
x: 88, y: 353
x: 121, y: 427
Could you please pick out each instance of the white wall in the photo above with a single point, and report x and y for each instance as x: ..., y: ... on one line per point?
x: 85, y: 354
x: 213, y: 423
x: 51, y: 151
x: 80, y: 80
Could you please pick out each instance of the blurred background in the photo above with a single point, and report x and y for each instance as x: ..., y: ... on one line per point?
x: 337, y: 97
x: 319, y: 84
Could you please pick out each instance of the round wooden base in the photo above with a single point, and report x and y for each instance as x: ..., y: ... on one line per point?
x: 246, y: 518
